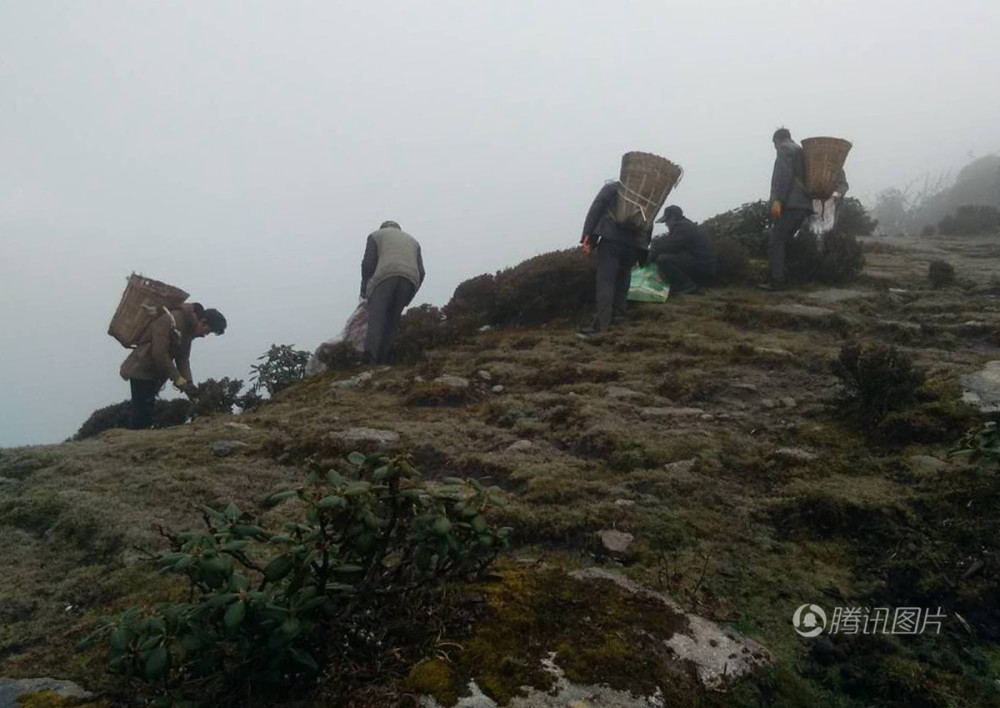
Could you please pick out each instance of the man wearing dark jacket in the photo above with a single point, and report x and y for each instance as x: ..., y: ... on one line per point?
x: 391, y: 273
x: 619, y: 248
x: 164, y: 354
x: 790, y: 203
x: 685, y: 257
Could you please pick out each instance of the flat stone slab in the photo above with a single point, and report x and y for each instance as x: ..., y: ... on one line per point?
x: 927, y: 464
x: 11, y: 690
x: 807, y: 312
x: 455, y: 382
x: 982, y: 388
x: 834, y: 295
x: 225, y: 448
x: 794, y: 454
x: 622, y: 392
x: 670, y: 412
x: 354, y: 381
x: 371, y: 437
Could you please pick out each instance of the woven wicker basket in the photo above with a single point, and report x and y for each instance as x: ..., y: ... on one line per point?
x: 824, y: 159
x: 140, y: 304
x: 643, y: 187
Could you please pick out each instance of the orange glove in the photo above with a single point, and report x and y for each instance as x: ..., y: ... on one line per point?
x: 776, y: 210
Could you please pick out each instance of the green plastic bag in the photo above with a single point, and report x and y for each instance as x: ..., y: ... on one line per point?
x: 648, y: 285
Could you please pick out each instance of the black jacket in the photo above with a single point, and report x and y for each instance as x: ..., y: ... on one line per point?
x: 685, y: 237
x: 599, y: 223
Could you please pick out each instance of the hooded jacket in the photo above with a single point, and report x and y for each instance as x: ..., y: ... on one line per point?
x: 164, y: 351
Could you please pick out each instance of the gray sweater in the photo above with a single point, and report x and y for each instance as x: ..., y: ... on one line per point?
x: 391, y: 252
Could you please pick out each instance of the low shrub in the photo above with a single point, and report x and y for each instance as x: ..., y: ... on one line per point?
x: 282, y: 366
x: 214, y: 396
x: 538, y: 290
x: 422, y: 328
x: 971, y: 220
x: 341, y: 590
x: 877, y: 380
x: 732, y: 262
x: 941, y: 274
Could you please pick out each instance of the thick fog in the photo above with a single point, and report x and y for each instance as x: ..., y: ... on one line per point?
x: 244, y: 150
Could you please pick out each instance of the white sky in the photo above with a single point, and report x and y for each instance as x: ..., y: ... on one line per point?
x: 244, y: 150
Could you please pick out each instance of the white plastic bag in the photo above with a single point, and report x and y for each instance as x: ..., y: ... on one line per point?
x: 354, y: 333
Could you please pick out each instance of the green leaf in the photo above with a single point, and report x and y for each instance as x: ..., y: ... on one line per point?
x: 303, y: 658
x: 356, y: 488
x: 150, y: 643
x: 356, y: 458
x: 479, y: 524
x: 235, y: 614
x: 347, y: 568
x: 156, y: 662
x: 333, y: 501
x: 275, y: 499
x: 334, y: 479
x: 278, y: 568
x: 234, y: 546
x: 442, y: 526
x: 119, y: 639
x: 291, y: 627
x: 232, y: 512
x: 212, y: 513
x: 453, y: 480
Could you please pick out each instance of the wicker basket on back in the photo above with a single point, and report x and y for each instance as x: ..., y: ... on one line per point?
x: 824, y: 159
x: 141, y: 302
x: 644, y: 183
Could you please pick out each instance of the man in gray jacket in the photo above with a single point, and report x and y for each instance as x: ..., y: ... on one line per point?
x: 790, y: 203
x: 619, y: 248
x: 391, y: 273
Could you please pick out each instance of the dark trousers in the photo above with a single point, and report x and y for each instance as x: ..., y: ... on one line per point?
x: 143, y: 403
x: 385, y: 307
x: 683, y: 271
x: 614, y: 275
x: 784, y: 230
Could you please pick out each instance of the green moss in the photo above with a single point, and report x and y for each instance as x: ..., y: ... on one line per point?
x: 433, y: 678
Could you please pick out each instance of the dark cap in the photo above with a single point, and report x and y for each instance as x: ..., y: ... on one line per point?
x: 671, y: 212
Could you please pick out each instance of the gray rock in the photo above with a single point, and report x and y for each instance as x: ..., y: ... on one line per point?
x: 238, y: 426
x: 795, y: 454
x: 807, y: 312
x: 225, y: 448
x: 521, y: 446
x: 982, y: 388
x: 834, y: 295
x: 453, y: 382
x: 367, y: 437
x: 789, y: 402
x: 622, y: 392
x: 485, y: 375
x: 624, y: 503
x: 769, y: 403
x: 772, y: 351
x: 681, y: 467
x: 497, y: 389
x: 615, y: 542
x: 925, y: 464
x: 707, y: 417
x: 718, y: 655
x: 670, y: 412
x: 12, y: 689
x: 354, y: 381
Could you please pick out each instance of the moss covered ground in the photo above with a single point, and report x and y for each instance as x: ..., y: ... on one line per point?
x: 705, y: 427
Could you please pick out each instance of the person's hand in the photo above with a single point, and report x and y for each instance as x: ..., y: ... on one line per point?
x: 776, y: 209
x: 585, y: 244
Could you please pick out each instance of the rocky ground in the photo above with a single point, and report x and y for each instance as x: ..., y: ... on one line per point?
x: 678, y: 487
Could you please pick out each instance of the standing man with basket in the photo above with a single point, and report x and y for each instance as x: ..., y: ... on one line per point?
x: 391, y: 273
x: 619, y: 249
x: 790, y: 204
x: 163, y: 353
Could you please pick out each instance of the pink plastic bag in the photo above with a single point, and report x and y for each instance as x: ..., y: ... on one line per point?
x: 356, y: 329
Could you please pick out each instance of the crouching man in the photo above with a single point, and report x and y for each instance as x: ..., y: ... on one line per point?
x: 685, y: 257
x: 164, y: 354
